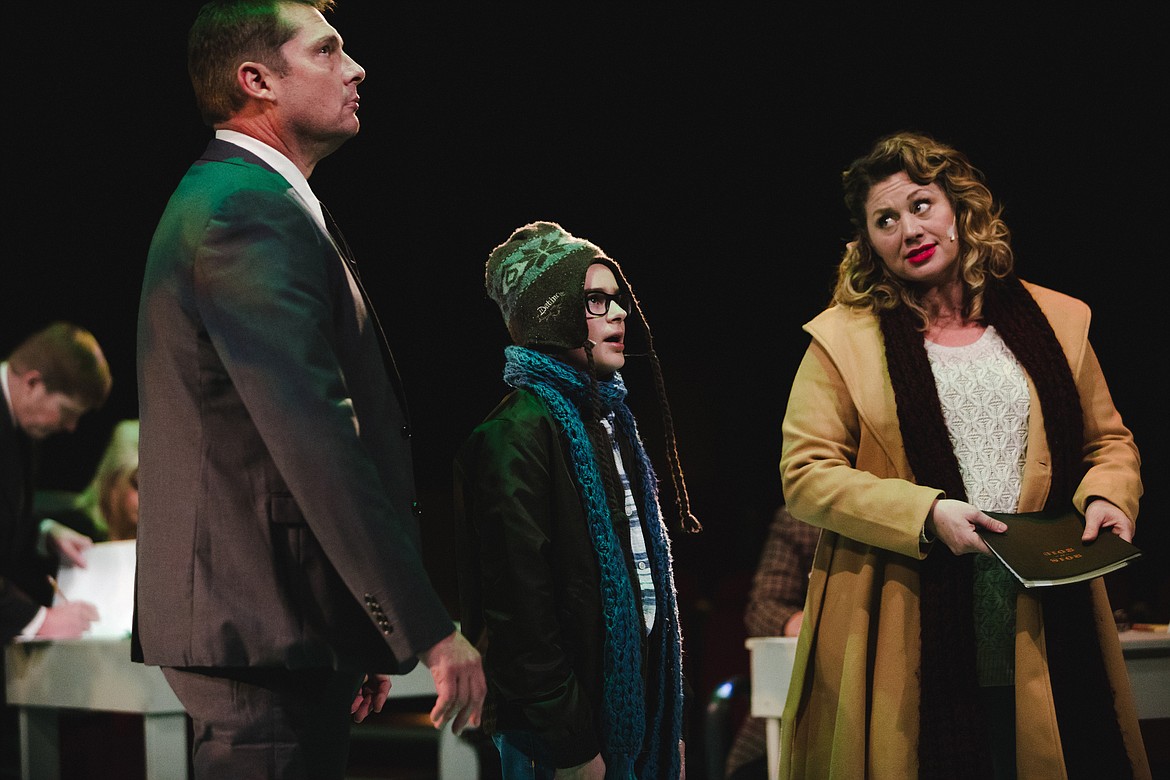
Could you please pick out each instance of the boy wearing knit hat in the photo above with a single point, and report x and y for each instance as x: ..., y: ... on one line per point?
x: 565, y: 573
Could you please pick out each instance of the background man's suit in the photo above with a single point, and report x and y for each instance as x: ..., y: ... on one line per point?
x: 277, y: 521
x: 17, y: 531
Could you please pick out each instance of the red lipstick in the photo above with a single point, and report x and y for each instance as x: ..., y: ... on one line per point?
x: 919, y: 256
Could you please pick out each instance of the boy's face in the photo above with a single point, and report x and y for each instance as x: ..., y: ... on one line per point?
x: 607, y: 331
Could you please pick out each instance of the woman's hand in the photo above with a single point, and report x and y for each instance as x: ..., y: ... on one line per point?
x: 954, y: 523
x: 1101, y: 515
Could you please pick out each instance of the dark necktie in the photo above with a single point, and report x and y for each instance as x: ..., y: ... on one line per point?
x: 339, y: 239
x: 387, y: 357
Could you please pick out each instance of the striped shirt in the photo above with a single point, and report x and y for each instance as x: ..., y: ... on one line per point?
x: 637, y: 540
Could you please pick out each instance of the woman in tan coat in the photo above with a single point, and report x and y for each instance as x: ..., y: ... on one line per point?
x: 937, y: 387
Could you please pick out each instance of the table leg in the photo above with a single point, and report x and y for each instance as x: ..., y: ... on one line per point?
x: 166, y: 746
x: 39, y: 757
x: 772, y: 732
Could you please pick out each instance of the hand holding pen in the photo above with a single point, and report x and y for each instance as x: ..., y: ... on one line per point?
x: 66, y: 619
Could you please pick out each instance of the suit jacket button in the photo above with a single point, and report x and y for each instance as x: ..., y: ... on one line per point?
x: 406, y: 431
x: 416, y: 508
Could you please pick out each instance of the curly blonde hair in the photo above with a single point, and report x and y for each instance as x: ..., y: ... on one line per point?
x: 864, y: 282
x: 103, y: 499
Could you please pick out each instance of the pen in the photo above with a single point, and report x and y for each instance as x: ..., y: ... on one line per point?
x: 56, y: 588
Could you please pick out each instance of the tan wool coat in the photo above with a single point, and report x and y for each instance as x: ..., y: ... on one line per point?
x: 852, y: 710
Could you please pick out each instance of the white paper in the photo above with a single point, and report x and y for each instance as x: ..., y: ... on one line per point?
x: 107, y: 582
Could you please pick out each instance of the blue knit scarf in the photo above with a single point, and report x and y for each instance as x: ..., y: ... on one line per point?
x: 567, y: 391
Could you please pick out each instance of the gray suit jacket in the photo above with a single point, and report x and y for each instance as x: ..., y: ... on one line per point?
x: 277, y: 517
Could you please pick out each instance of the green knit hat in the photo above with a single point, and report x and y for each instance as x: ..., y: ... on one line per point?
x: 537, y: 278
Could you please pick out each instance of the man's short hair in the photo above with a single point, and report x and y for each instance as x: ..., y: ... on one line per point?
x: 69, y: 360
x: 227, y: 33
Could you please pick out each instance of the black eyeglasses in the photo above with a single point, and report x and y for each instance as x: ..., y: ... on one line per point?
x: 597, y: 302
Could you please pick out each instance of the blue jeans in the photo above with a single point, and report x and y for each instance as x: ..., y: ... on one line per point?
x: 517, y: 749
x: 516, y: 762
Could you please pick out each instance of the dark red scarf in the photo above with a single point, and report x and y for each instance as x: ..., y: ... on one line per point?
x: 952, y: 739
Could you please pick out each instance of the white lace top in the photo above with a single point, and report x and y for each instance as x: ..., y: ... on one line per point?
x: 984, y: 396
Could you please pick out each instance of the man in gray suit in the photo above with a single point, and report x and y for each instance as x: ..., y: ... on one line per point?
x: 278, y: 547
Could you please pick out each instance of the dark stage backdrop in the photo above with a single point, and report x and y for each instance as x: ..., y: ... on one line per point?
x: 699, y: 144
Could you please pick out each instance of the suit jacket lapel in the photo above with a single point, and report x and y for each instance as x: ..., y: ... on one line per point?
x: 343, y: 250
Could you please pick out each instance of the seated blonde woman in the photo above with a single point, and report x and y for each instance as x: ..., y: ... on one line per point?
x: 110, y: 500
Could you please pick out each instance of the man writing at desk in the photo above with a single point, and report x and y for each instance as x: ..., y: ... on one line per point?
x: 278, y: 547
x: 48, y: 382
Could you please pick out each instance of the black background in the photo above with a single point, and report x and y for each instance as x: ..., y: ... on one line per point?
x: 700, y: 145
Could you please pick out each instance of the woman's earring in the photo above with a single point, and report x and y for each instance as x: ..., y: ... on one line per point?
x: 951, y: 232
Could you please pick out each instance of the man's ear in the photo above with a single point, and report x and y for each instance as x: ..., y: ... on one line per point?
x: 256, y: 80
x: 23, y: 386
x: 29, y: 379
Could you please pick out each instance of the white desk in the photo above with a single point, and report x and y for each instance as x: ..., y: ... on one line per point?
x: 97, y: 674
x: 1147, y: 659
x: 91, y: 674
x: 772, y: 658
